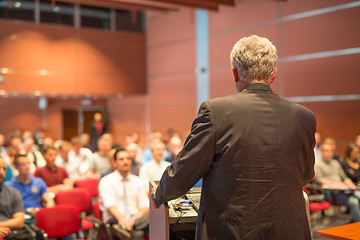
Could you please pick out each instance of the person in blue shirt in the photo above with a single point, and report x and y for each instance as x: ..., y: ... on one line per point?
x: 33, y: 189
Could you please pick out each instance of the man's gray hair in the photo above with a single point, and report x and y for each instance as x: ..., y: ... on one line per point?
x: 254, y: 58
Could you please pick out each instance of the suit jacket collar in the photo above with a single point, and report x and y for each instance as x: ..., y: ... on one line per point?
x: 257, y: 86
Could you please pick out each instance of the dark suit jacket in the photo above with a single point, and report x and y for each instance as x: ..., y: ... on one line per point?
x: 254, y: 151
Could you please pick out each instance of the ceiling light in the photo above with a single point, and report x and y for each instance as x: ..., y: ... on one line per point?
x: 4, y: 70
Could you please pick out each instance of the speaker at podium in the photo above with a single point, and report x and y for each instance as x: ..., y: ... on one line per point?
x: 176, y: 219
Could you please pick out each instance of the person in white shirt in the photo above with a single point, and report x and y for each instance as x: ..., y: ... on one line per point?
x: 70, y: 164
x: 154, y: 169
x: 124, y: 200
x: 81, y: 155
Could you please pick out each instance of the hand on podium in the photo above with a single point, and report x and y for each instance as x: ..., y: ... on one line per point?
x: 152, y: 196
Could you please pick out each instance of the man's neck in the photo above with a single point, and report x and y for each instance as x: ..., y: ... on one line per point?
x: 124, y: 174
x: 24, y: 178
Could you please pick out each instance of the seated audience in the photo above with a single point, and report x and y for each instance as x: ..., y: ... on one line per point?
x: 12, y: 216
x: 12, y: 152
x: 132, y: 149
x: 85, y: 140
x: 34, y: 155
x: 357, y: 142
x: 154, y: 169
x: 329, y: 172
x: 56, y: 178
x: 134, y: 138
x: 81, y: 155
x: 32, y: 189
x: 317, y: 148
x: 350, y: 162
x: 124, y: 200
x: 63, y: 160
x: 175, y: 146
x: 147, y: 154
x: 332, y: 143
x: 100, y: 161
x: 112, y: 163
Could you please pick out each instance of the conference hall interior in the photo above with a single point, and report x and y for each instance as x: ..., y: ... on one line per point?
x: 143, y: 67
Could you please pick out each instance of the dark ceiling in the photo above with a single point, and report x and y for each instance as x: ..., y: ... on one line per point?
x: 158, y: 5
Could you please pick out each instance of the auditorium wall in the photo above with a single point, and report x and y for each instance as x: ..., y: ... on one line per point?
x: 318, y: 47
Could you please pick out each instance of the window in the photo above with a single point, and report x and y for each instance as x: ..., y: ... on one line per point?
x: 95, y: 17
x: 18, y: 10
x: 61, y: 13
x: 130, y: 21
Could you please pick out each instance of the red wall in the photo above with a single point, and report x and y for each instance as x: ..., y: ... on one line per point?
x: 76, y: 61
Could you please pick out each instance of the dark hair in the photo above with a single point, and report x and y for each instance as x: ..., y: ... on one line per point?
x: 349, y: 150
x: 48, y: 148
x: 119, y: 149
x: 17, y: 157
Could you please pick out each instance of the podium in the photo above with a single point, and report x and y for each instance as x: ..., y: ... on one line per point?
x: 165, y: 217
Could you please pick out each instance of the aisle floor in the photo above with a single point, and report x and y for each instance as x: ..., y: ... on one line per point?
x: 334, y: 216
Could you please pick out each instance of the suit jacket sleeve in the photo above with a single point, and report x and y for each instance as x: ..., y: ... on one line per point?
x: 193, y: 161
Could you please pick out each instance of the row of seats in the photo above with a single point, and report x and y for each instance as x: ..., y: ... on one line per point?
x: 71, y: 211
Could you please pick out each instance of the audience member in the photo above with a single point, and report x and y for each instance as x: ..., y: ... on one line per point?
x: 147, y: 155
x: 34, y: 155
x: 112, y: 163
x: 12, y: 216
x: 154, y: 169
x: 97, y: 129
x: 11, y: 153
x: 350, y: 162
x: 317, y: 148
x: 63, y: 160
x: 85, y: 140
x: 48, y: 142
x: 329, y: 173
x: 124, y: 200
x: 175, y: 146
x: 132, y: 149
x: 56, y: 178
x: 80, y: 155
x: 100, y: 161
x: 15, y: 141
x: 133, y: 140
x: 332, y: 143
x: 32, y: 189
x: 357, y: 142
x: 39, y: 137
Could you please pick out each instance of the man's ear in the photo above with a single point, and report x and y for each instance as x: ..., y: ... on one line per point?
x: 274, y: 75
x: 235, y: 74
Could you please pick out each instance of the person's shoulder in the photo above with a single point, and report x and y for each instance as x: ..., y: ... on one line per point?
x: 108, y: 177
x: 12, y: 182
x: 37, y: 180
x: 40, y: 170
x: 10, y: 190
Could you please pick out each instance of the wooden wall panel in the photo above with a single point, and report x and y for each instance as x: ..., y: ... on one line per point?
x: 324, y: 32
x: 66, y: 60
x: 326, y: 76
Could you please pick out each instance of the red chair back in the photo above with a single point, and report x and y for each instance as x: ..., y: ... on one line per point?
x: 96, y: 210
x: 78, y: 196
x: 58, y: 221
x: 91, y: 184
